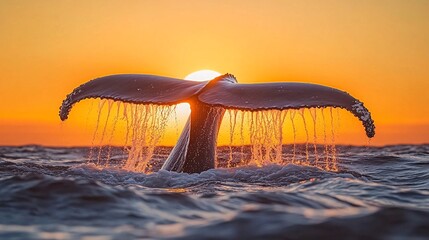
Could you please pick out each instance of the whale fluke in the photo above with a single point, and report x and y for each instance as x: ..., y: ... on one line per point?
x: 195, y: 149
x: 133, y: 88
x: 284, y: 95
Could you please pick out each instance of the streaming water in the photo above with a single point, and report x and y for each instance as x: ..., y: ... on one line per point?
x: 313, y: 112
x: 144, y: 125
x: 255, y: 137
x: 263, y: 132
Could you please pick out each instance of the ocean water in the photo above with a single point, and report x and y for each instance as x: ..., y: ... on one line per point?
x: 54, y: 193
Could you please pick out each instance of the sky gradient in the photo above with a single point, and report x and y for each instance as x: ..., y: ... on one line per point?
x: 377, y: 51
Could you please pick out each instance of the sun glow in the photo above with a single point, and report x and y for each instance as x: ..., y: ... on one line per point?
x: 183, y: 109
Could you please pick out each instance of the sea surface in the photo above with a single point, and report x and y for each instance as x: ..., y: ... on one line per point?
x: 54, y: 193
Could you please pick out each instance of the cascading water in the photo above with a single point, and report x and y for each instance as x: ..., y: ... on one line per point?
x: 255, y: 138
x: 272, y: 137
x: 144, y: 127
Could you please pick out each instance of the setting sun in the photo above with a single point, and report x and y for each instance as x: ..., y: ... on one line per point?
x: 202, y: 75
x: 183, y: 109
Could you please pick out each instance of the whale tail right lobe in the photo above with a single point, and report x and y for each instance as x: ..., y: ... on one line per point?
x: 285, y: 95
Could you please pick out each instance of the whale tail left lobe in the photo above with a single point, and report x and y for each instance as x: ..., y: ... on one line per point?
x: 133, y: 88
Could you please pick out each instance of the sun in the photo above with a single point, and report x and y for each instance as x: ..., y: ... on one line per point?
x: 183, y: 109
x: 202, y: 75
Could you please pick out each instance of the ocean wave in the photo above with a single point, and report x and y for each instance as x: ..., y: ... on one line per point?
x: 378, y: 193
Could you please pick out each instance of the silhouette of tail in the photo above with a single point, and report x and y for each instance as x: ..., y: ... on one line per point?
x: 195, y: 149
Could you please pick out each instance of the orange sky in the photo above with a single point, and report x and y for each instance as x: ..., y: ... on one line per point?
x: 376, y: 50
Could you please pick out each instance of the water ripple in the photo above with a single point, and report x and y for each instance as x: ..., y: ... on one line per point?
x: 53, y: 193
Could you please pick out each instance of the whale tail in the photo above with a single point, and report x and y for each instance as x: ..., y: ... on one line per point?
x: 195, y: 149
x: 133, y: 88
